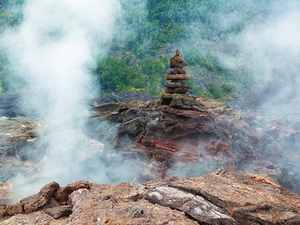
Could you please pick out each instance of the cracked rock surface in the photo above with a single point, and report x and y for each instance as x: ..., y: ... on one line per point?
x: 218, y: 198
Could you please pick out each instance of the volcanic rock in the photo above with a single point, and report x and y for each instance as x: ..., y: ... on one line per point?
x: 180, y: 90
x: 190, y: 136
x: 177, y: 62
x: 36, y: 201
x: 18, y: 138
x: 175, y: 71
x: 216, y: 198
x: 37, y: 218
x: 59, y: 211
x: 177, y: 75
x: 14, y: 209
x: 63, y: 193
x: 176, y: 85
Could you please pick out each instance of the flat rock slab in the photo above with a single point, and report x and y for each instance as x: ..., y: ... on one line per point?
x: 121, y: 204
x: 176, y: 85
x: 176, y: 90
x: 245, y: 197
x: 178, y: 77
x: 194, y: 205
x: 218, y: 198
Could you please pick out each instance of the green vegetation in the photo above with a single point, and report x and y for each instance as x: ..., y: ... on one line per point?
x: 10, y: 13
x: 116, y: 74
x: 153, y: 28
x: 10, y: 16
x: 148, y: 33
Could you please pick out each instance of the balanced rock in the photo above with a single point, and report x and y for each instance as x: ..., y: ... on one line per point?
x: 176, y: 61
x: 177, y: 75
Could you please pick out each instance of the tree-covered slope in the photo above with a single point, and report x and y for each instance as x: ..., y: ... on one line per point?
x: 147, y: 34
x: 204, y: 31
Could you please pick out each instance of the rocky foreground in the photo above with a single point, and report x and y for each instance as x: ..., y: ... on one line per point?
x: 163, y: 141
x: 216, y: 198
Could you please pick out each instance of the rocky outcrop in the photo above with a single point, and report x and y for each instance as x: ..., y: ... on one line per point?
x: 176, y: 135
x: 19, y: 146
x: 190, y: 136
x: 18, y: 135
x: 215, y: 198
x: 172, y: 132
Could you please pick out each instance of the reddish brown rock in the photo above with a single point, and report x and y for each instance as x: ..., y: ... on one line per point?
x: 176, y: 90
x: 51, y: 203
x: 216, y: 198
x: 61, y: 196
x: 175, y: 71
x: 2, y: 211
x: 119, y: 204
x: 190, y: 136
x: 36, y: 201
x: 178, y: 77
x: 244, y: 197
x: 14, y: 209
x: 176, y: 85
x: 176, y: 61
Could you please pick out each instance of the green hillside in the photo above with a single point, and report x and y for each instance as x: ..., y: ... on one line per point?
x: 147, y: 35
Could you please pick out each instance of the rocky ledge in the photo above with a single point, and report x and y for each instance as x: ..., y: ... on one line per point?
x: 216, y: 198
x: 190, y: 136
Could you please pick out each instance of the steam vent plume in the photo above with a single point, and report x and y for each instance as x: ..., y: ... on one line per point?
x: 177, y: 75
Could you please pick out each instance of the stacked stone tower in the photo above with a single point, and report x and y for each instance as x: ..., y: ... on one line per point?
x: 177, y: 76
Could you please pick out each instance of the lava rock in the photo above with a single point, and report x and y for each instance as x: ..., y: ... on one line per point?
x: 36, y: 201
x: 59, y: 211
x: 62, y: 194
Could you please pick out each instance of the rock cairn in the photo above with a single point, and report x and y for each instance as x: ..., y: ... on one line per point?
x: 177, y: 75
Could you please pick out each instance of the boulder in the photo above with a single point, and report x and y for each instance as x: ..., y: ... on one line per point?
x: 177, y: 62
x: 40, y: 199
x: 63, y: 193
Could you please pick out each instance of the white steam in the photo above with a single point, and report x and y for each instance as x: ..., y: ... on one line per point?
x: 272, y: 51
x: 54, y: 46
x: 56, y: 43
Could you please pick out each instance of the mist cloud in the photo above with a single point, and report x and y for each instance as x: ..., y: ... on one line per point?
x: 56, y: 43
x: 54, y: 47
x: 271, y: 50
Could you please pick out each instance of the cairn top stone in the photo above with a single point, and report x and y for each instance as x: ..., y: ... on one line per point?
x: 177, y: 61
